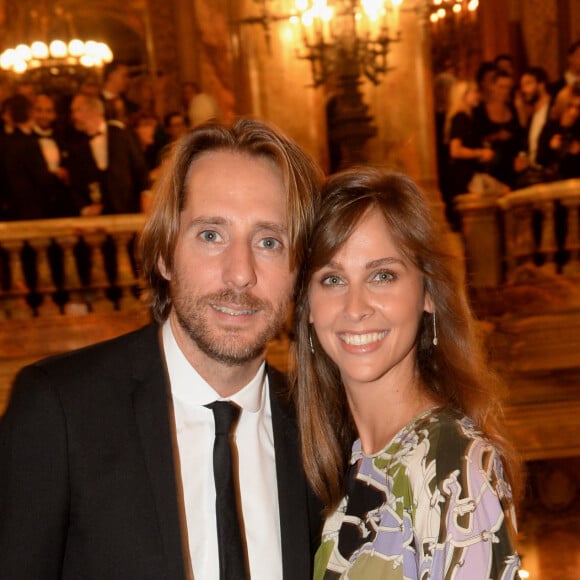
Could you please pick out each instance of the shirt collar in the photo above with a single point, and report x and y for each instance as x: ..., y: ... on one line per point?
x: 570, y: 77
x: 42, y: 132
x: 188, y: 386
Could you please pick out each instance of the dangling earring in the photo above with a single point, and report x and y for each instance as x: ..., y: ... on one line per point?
x: 435, y: 341
x: 310, y: 341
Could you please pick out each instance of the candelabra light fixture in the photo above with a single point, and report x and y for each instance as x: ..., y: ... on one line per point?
x: 332, y: 33
x: 344, y: 41
x: 52, y: 48
x: 440, y: 9
x: 455, y: 37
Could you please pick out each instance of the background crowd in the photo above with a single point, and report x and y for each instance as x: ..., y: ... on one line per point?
x: 91, y: 153
x: 506, y: 130
x: 98, y: 152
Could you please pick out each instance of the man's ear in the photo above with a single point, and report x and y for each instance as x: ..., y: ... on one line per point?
x: 163, y: 269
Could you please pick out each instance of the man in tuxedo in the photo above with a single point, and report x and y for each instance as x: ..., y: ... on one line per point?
x: 54, y: 153
x: 572, y: 73
x: 106, y: 467
x: 32, y: 187
x: 116, y: 80
x: 107, y: 170
x: 535, y: 95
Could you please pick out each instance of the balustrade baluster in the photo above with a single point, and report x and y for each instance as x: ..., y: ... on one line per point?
x: 45, y: 284
x: 548, y: 244
x: 510, y: 246
x: 572, y: 242
x: 519, y: 238
x: 72, y: 282
x: 126, y: 279
x: 15, y: 299
x: 96, y: 294
x: 3, y: 283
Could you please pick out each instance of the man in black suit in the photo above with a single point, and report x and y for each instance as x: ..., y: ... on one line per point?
x: 51, y: 143
x: 106, y: 454
x: 572, y: 73
x: 31, y: 185
x: 107, y: 170
x: 116, y: 81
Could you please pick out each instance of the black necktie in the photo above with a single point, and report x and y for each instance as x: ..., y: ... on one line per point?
x: 231, y: 547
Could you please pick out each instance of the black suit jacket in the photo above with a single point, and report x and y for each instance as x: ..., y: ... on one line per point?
x: 121, y: 183
x: 87, y: 474
x: 33, y: 191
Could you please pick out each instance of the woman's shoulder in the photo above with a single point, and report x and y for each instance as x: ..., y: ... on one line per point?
x: 452, y: 444
x: 451, y: 435
x: 461, y: 123
x: 461, y: 117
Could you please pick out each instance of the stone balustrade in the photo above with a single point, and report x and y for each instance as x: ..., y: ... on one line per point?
x: 533, y: 227
x: 68, y: 283
x: 69, y: 266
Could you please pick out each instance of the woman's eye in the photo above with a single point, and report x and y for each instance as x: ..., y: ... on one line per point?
x: 332, y: 281
x: 210, y: 236
x: 384, y: 277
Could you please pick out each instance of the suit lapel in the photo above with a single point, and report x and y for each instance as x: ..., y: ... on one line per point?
x: 296, y: 520
x: 151, y: 404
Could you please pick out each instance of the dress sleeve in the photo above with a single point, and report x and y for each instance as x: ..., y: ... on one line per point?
x: 466, y: 504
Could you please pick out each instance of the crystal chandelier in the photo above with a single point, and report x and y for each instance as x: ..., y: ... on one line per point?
x: 56, y: 51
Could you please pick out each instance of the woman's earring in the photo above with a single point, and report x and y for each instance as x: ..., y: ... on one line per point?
x: 435, y: 341
x: 310, y: 341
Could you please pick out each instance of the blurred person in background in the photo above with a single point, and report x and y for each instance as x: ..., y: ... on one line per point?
x: 466, y: 151
x: 54, y: 151
x: 572, y: 73
x: 559, y: 142
x: 535, y: 96
x: 499, y: 127
x: 107, y: 169
x: 145, y: 128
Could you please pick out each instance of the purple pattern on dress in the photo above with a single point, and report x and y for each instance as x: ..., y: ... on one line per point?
x: 461, y: 518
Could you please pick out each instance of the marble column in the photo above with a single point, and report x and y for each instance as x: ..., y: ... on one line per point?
x: 403, y: 107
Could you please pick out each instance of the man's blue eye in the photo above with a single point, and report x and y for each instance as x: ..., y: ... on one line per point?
x: 270, y: 243
x: 209, y: 236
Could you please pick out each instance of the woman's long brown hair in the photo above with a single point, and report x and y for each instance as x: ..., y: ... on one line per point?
x: 456, y: 371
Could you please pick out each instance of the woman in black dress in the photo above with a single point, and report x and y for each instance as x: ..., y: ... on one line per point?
x: 498, y: 125
x: 466, y: 151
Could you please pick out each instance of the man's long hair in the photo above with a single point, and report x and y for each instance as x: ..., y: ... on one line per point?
x: 301, y: 177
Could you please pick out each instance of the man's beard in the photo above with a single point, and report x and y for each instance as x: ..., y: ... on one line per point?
x: 225, y: 345
x: 532, y: 99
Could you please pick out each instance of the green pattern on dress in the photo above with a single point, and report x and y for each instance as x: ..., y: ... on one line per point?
x: 438, y: 493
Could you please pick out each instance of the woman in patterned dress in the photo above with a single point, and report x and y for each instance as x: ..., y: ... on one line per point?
x: 398, y: 410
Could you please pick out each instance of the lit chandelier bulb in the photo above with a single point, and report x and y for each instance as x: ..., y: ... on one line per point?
x: 57, y: 49
x: 39, y: 49
x: 76, y: 47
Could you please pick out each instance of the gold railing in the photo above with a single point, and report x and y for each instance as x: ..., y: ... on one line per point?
x: 534, y: 227
x: 69, y: 266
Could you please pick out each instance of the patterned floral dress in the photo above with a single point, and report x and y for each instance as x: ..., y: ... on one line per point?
x: 425, y: 507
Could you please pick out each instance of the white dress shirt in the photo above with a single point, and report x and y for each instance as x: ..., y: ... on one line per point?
x: 254, y: 439
x: 537, y: 123
x: 49, y: 148
x: 99, y: 148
